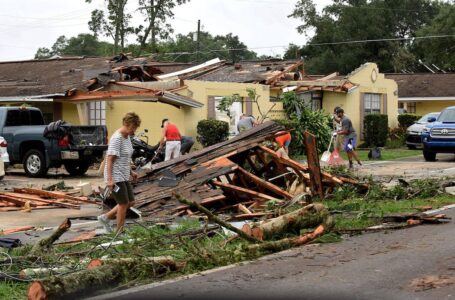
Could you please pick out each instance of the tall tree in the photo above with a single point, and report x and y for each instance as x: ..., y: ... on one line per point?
x: 113, y: 23
x: 156, y: 13
x: 439, y: 51
x: 339, y: 29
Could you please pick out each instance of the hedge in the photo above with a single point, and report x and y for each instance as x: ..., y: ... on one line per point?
x: 407, y: 120
x: 211, y: 132
x: 376, y: 129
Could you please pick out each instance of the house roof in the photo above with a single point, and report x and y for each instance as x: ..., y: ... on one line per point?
x: 58, y: 75
x: 263, y: 71
x: 424, y: 85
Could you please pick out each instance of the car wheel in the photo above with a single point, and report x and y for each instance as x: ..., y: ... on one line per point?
x: 429, y: 156
x: 77, y: 168
x: 34, y: 163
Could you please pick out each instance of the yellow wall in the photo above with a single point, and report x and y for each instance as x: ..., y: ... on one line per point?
x: 201, y: 90
x: 69, y: 113
x: 424, y: 107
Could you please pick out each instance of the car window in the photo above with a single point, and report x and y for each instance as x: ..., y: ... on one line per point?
x: 36, y: 118
x: 447, y: 116
x: 17, y: 118
x: 424, y: 119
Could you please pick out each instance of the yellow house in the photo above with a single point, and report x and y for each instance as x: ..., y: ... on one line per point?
x: 422, y: 93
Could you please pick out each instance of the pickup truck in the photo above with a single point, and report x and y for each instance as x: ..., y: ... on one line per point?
x: 23, y: 128
x: 438, y: 136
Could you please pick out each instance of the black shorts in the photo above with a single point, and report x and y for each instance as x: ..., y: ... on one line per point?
x: 125, y: 193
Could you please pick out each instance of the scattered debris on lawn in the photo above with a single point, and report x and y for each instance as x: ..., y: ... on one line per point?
x: 28, y: 199
x: 239, y: 178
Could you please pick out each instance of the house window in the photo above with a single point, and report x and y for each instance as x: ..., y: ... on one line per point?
x: 97, y: 113
x: 311, y: 100
x: 372, y: 103
x: 411, y: 107
x: 232, y: 119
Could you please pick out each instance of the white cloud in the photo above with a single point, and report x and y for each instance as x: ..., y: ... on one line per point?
x: 27, y: 25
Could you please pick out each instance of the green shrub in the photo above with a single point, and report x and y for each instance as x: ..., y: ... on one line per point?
x: 316, y: 122
x: 376, y: 129
x: 211, y: 132
x: 397, y: 138
x: 407, y: 120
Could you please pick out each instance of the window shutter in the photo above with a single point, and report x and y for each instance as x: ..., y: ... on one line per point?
x: 211, y: 108
x: 249, y: 106
x: 362, y: 113
x: 384, y: 104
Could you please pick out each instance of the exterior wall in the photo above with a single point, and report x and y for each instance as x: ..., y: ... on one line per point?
x: 363, y: 76
x: 69, y: 113
x: 201, y: 90
x: 425, y: 107
x: 151, y: 114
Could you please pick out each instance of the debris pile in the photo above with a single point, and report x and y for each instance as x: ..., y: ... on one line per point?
x: 239, y: 177
x: 28, y: 199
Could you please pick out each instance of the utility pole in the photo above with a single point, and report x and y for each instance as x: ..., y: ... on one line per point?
x: 197, y: 42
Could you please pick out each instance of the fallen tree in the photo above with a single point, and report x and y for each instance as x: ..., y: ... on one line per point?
x: 306, y: 217
x: 46, y: 243
x: 109, y: 272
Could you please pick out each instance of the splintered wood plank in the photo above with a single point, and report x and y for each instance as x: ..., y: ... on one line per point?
x: 242, y: 190
x: 267, y: 185
x: 297, y: 165
x: 17, y: 229
x: 34, y: 199
x: 245, y: 210
x: 250, y: 216
x: 54, y: 195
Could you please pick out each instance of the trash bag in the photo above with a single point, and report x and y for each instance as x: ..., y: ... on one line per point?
x: 10, y: 243
x: 374, y: 154
x: 56, y: 130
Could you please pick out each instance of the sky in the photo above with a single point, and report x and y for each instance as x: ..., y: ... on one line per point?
x: 262, y: 25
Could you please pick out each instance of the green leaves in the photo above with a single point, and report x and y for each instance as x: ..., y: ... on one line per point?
x: 212, y: 131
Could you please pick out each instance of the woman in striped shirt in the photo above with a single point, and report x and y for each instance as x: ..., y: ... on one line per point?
x: 117, y: 171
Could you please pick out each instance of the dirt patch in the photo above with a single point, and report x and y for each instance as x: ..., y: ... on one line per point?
x: 432, y: 282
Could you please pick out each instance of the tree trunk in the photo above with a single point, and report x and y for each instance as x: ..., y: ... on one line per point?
x: 46, y: 243
x: 42, y: 272
x: 306, y: 217
x: 287, y: 243
x: 74, y: 285
x: 166, y: 261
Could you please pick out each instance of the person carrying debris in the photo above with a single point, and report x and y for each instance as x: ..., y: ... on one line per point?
x: 283, y: 139
x: 117, y: 171
x: 171, y: 136
x: 349, y: 135
x: 336, y: 127
x: 246, y: 122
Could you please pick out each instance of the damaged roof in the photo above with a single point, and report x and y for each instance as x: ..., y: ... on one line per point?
x: 424, y: 85
x: 58, y: 75
x: 250, y: 71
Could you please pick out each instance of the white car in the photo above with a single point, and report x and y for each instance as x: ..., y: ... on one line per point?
x: 4, y: 163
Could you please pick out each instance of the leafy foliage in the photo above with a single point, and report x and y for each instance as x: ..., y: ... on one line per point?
x: 406, y: 120
x: 212, y: 131
x: 376, y: 130
x: 329, y: 49
x: 317, y: 122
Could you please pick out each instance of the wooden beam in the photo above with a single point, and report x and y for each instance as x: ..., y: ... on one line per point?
x: 267, y: 185
x: 242, y: 190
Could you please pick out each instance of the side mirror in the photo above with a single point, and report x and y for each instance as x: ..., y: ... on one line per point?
x: 431, y: 119
x: 146, y: 130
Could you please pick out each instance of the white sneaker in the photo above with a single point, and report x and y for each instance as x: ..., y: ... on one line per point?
x: 105, y: 222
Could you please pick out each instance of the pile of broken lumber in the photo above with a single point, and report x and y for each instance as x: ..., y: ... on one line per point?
x: 239, y: 177
x: 27, y: 199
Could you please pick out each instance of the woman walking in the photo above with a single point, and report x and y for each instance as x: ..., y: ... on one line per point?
x: 117, y: 171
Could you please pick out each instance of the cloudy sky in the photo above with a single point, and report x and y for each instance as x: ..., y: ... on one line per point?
x: 262, y: 25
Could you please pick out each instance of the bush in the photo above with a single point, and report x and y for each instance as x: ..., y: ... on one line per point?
x: 211, y: 132
x: 407, y: 120
x: 397, y: 138
x: 376, y: 130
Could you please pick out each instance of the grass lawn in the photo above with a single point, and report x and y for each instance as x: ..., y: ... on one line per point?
x: 387, y: 154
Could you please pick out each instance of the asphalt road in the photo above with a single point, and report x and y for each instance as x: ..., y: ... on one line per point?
x: 370, y: 266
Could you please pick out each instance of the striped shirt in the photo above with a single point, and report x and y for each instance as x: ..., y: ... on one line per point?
x: 123, y: 149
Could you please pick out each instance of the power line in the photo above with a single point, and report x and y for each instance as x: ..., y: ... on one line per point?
x: 314, y: 44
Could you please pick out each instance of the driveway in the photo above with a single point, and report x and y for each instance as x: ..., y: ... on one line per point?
x: 386, y: 265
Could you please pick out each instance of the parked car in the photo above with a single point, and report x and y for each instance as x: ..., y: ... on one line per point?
x: 75, y: 147
x: 438, y: 136
x: 413, y: 133
x: 4, y: 152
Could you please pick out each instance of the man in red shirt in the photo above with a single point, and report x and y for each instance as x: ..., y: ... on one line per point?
x: 283, y: 139
x: 171, y: 135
